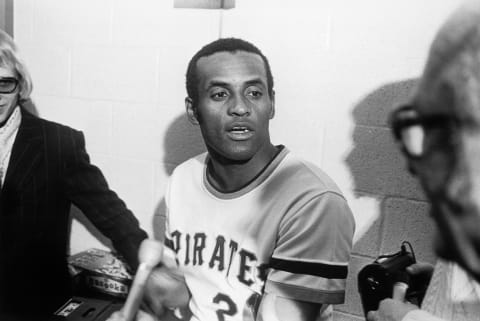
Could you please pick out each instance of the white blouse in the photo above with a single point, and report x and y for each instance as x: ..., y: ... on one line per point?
x: 8, y: 133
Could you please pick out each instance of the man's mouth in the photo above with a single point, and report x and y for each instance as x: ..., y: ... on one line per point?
x: 239, y: 129
x: 240, y: 132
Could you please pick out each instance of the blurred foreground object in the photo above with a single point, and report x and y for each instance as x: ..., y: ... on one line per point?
x: 149, y: 255
x: 388, y: 273
x: 86, y: 309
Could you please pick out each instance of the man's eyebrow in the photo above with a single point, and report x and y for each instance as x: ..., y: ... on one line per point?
x: 216, y: 83
x: 256, y: 81
x: 221, y: 83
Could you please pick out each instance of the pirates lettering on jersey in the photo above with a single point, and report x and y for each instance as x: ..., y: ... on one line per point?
x: 196, y: 250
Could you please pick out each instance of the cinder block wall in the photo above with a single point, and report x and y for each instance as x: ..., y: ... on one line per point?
x: 115, y: 70
x: 379, y: 172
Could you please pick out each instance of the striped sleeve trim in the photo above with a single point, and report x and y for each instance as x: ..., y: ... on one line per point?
x: 327, y: 271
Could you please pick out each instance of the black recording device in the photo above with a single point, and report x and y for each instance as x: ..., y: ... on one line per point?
x: 86, y: 309
x: 382, y: 278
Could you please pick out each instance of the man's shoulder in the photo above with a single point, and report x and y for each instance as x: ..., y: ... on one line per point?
x: 49, y: 125
x: 300, y: 172
x: 192, y: 165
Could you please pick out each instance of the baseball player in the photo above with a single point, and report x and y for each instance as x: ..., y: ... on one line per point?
x: 256, y: 232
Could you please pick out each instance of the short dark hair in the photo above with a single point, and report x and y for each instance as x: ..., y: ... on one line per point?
x: 223, y: 45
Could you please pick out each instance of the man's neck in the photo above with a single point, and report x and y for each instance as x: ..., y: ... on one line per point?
x: 228, y: 177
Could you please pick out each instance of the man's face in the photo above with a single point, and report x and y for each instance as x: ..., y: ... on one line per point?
x: 8, y: 101
x: 233, y: 107
x: 449, y: 168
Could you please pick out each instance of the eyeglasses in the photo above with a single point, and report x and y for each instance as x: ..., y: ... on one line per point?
x: 8, y: 85
x: 421, y: 134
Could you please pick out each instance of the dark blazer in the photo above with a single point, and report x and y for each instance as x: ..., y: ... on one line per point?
x: 49, y: 170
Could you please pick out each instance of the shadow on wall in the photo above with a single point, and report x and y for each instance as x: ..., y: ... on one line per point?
x: 379, y: 171
x: 182, y: 142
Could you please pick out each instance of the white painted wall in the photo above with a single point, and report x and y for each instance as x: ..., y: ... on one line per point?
x: 115, y: 69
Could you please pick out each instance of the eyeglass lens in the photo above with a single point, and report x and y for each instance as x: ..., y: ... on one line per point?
x: 425, y: 134
x: 8, y: 85
x: 413, y: 139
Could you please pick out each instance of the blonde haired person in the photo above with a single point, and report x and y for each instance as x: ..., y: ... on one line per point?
x: 44, y: 169
x: 257, y: 232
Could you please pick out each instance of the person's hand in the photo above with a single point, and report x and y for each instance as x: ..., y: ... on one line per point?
x: 420, y: 275
x: 141, y: 316
x: 166, y: 289
x: 421, y: 270
x: 390, y: 310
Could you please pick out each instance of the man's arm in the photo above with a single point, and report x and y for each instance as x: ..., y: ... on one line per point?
x: 86, y: 187
x: 276, y: 308
x: 308, y: 268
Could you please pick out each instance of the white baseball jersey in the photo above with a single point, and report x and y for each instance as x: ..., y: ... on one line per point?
x: 289, y: 231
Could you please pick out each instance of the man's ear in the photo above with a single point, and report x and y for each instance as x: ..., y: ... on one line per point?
x: 191, y: 111
x: 272, y: 111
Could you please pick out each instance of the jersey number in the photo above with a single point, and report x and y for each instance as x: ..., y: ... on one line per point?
x: 231, y: 306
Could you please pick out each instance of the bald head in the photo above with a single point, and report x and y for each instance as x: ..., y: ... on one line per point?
x: 458, y: 35
x: 444, y: 115
x: 451, y: 78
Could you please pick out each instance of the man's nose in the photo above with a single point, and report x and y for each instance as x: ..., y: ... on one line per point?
x: 239, y: 107
x: 457, y: 185
x: 460, y: 181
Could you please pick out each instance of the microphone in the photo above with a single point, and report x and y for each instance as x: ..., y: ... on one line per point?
x: 400, y: 286
x: 149, y: 255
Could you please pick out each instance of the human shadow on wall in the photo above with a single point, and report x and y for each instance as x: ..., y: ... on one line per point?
x: 182, y: 141
x: 379, y: 170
